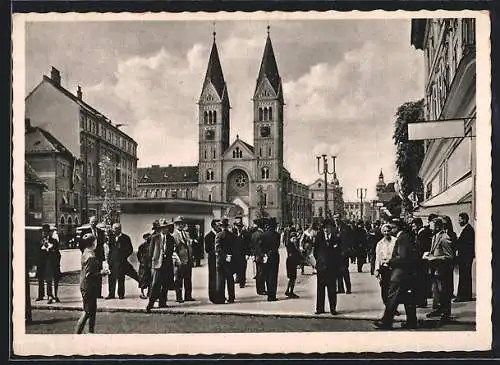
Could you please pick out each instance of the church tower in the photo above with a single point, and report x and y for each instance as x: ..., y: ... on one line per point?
x: 268, y: 129
x: 380, y: 187
x: 213, y: 122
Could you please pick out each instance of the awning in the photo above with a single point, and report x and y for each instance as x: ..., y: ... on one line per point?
x: 453, y: 195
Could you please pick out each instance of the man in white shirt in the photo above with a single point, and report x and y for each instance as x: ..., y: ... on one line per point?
x: 383, y: 253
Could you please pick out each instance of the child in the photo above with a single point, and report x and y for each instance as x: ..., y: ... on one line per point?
x: 89, y: 282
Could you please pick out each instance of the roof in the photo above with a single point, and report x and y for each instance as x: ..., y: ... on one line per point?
x: 418, y: 33
x: 40, y: 140
x: 167, y: 174
x: 82, y: 103
x: 249, y: 146
x: 214, y: 71
x: 389, y: 188
x: 269, y: 67
x: 30, y: 175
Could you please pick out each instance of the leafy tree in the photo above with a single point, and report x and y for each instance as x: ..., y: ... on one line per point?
x: 409, y: 154
x: 394, y: 205
x: 107, y: 168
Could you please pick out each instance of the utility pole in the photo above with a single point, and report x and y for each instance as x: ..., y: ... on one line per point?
x: 361, y: 193
x: 325, y: 172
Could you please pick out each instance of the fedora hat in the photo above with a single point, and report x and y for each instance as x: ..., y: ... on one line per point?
x: 156, y: 224
x: 179, y: 219
x: 163, y: 223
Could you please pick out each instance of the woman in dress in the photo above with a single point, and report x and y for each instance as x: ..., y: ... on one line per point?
x: 144, y: 265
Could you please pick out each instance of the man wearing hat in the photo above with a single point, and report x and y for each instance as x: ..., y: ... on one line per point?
x: 328, y: 260
x: 258, y: 254
x: 241, y: 251
x: 224, y: 242
x: 161, y: 250
x: 184, y: 271
x: 210, y: 250
x: 270, y: 245
x: 344, y: 234
x: 48, y: 270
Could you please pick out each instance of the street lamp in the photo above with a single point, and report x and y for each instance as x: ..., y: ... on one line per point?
x: 325, y: 173
x: 361, y: 194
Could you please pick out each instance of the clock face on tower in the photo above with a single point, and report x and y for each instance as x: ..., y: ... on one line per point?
x: 265, y: 131
x: 209, y: 134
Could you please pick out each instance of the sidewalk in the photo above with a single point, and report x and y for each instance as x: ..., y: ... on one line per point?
x: 363, y: 303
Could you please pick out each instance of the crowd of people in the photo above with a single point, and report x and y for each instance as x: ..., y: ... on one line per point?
x: 412, y: 262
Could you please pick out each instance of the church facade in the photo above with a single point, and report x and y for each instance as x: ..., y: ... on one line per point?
x: 252, y: 177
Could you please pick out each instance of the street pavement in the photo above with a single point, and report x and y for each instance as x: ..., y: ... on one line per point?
x: 363, y: 303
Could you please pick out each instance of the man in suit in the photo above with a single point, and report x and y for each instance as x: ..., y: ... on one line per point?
x: 258, y: 253
x: 241, y: 251
x: 344, y: 235
x: 185, y: 270
x: 99, y: 251
x: 423, y: 241
x: 119, y: 248
x: 210, y: 250
x: 328, y: 263
x: 270, y: 245
x: 465, y: 257
x: 224, y: 242
x: 374, y: 236
x: 402, y: 280
x: 161, y: 250
x: 440, y: 259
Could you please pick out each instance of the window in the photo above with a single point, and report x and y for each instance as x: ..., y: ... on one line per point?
x: 312, y: 195
x: 77, y: 222
x: 31, y: 201
x: 205, y: 117
x: 269, y: 152
x: 270, y: 113
x: 215, y: 117
x: 261, y: 117
x: 70, y: 221
x: 209, y: 197
x: 76, y: 200
x: 237, y: 153
x: 213, y: 153
x: 209, y: 134
x: 174, y: 194
x: 210, y: 175
x: 266, y: 114
x: 205, y: 154
x: 62, y: 221
x: 260, y: 151
x: 265, y: 173
x: 428, y: 191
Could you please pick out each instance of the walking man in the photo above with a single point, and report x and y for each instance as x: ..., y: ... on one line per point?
x: 161, y: 250
x: 344, y: 235
x: 465, y: 257
x: 241, y: 251
x: 327, y: 254
x: 401, y: 286
x: 185, y: 270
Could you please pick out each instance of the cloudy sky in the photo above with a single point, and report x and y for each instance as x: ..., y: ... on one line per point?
x: 343, y: 81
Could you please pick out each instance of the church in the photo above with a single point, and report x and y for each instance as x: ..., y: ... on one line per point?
x: 252, y: 177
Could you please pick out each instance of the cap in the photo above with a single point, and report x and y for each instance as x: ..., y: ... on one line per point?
x: 146, y: 235
x: 156, y: 223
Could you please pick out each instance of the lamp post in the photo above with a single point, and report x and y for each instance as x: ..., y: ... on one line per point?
x: 361, y: 194
x: 325, y: 172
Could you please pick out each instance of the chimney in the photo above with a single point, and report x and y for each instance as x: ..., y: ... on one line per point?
x: 79, y: 92
x: 55, y: 75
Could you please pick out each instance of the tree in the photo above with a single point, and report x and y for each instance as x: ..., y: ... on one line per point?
x: 409, y: 154
x: 394, y: 206
x: 109, y: 206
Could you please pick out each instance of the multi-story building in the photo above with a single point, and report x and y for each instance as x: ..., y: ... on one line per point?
x: 335, y: 198
x: 60, y: 171
x: 252, y: 177
x: 449, y: 165
x: 33, y: 202
x: 87, y: 134
x: 358, y: 211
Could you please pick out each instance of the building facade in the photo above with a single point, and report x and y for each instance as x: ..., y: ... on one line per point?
x: 87, y: 134
x: 33, y: 192
x: 356, y: 211
x: 252, y: 177
x: 60, y: 171
x: 449, y: 165
x: 335, y: 198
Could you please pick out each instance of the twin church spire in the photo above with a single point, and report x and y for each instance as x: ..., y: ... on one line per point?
x: 268, y: 70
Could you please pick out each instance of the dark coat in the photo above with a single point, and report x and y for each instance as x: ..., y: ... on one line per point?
x: 344, y: 233
x: 328, y: 255
x: 210, y: 243
x: 224, y: 242
x: 51, y: 268
x: 101, y: 240
x: 423, y: 241
x: 242, y: 242
x: 119, y: 250
x: 257, y: 246
x: 270, y: 246
x: 466, y: 245
x: 404, y: 260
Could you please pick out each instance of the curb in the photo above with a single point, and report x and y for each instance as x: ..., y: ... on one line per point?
x: 242, y: 314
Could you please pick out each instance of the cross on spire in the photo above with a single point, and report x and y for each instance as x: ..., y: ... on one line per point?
x: 268, y: 28
x: 214, y: 32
